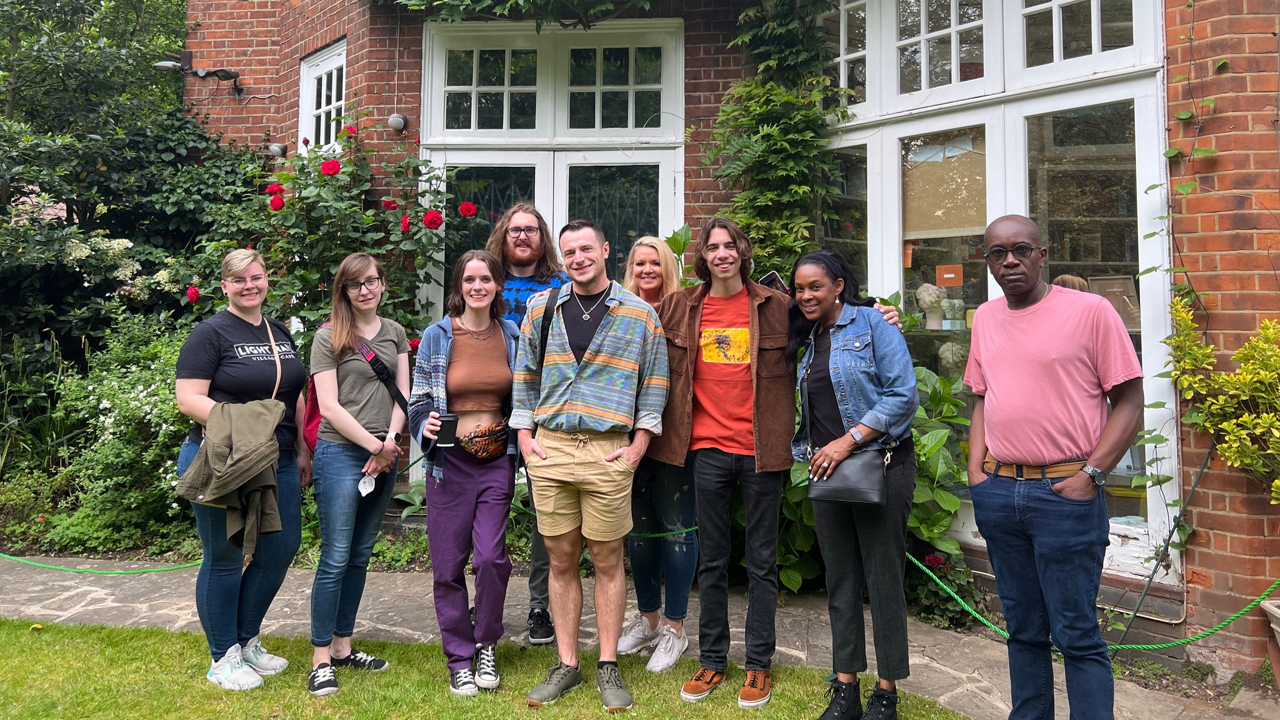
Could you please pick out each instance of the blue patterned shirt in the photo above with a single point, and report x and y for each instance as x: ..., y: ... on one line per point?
x: 517, y: 291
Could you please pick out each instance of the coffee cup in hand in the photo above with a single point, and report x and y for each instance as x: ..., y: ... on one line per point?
x: 448, y: 433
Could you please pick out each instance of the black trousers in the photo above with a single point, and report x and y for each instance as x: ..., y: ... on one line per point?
x: 866, y: 546
x: 717, y: 475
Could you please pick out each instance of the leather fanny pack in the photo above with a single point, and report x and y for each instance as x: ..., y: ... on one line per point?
x: 1031, y: 472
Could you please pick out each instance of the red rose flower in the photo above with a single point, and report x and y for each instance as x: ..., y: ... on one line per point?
x: 433, y: 220
x: 467, y: 209
x: 277, y: 203
x: 41, y: 517
x: 349, y: 129
x: 404, y: 224
x: 330, y: 167
x: 249, y: 246
x: 193, y: 294
x: 275, y: 189
x: 306, y: 142
x: 390, y: 204
x: 413, y: 345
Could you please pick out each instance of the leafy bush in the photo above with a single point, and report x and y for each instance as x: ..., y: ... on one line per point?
x: 934, y: 506
x: 1241, y: 408
x: 931, y: 603
x: 121, y: 472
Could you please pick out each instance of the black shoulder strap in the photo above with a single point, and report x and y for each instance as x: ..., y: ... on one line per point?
x: 384, y: 374
x: 548, y: 314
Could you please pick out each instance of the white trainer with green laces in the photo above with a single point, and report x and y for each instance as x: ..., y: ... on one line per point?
x: 230, y: 673
x: 263, y: 662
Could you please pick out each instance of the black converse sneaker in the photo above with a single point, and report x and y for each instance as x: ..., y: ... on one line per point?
x: 487, y: 668
x: 361, y: 661
x: 321, y: 681
x: 463, y: 683
x: 541, y: 631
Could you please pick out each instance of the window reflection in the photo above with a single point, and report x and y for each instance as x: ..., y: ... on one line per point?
x: 846, y: 233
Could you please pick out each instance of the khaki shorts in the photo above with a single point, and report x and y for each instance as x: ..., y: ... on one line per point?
x: 575, y: 487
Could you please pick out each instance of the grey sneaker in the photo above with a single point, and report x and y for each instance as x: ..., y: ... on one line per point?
x: 613, y: 692
x: 230, y: 673
x: 263, y: 662
x: 560, y: 680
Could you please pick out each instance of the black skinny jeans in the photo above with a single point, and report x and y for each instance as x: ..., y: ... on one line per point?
x: 866, y: 546
x: 717, y: 475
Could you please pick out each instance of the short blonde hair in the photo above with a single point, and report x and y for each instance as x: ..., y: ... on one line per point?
x: 237, y: 261
x: 1072, y: 282
x: 666, y: 260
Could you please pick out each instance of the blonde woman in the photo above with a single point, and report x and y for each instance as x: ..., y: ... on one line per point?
x: 230, y: 358
x: 662, y: 501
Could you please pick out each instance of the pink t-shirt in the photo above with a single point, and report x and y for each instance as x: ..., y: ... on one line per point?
x: 1044, y: 372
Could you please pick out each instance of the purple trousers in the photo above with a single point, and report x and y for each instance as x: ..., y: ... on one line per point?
x: 467, y: 514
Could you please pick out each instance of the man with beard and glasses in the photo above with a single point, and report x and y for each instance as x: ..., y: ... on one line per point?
x: 518, y: 240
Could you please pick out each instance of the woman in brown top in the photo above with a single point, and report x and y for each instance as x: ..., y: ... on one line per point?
x: 467, y: 358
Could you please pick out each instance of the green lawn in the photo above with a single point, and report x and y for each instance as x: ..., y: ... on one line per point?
x: 83, y: 671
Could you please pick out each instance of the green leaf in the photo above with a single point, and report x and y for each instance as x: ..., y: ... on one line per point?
x: 1186, y: 187
x: 1147, y: 271
x: 1184, y: 115
x: 790, y: 578
x: 1172, y: 152
x: 946, y: 500
x: 1153, y: 187
x: 1221, y: 65
x: 1203, y: 152
x: 1209, y: 102
x: 947, y: 545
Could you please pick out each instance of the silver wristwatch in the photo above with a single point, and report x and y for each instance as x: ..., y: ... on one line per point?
x: 1099, y: 477
x: 857, y: 436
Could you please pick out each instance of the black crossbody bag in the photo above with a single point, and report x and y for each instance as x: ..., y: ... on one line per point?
x: 859, y: 478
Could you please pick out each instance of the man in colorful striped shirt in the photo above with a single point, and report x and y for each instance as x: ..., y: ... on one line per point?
x: 595, y: 399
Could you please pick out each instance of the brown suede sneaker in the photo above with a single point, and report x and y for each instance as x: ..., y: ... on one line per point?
x: 756, y: 690
x: 701, y: 685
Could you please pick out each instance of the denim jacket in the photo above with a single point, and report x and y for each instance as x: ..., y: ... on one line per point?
x: 874, y: 379
x: 429, y: 373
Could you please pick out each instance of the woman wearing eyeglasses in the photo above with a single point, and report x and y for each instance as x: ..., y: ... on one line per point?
x: 238, y: 356
x: 464, y: 369
x: 357, y: 451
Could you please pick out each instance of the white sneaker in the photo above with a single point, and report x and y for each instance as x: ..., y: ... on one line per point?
x: 668, y: 649
x: 637, y: 636
x: 263, y: 662
x: 230, y: 673
x: 487, y: 668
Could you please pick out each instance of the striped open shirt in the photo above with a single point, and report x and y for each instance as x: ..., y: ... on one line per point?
x: 621, y: 384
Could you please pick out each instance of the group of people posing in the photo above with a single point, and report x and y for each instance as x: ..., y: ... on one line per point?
x: 639, y: 410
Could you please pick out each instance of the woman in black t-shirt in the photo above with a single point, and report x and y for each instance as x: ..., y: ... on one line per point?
x: 228, y: 359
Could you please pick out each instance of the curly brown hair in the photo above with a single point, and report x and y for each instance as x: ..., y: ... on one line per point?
x: 740, y: 241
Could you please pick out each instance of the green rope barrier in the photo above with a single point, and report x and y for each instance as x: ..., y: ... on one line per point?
x: 90, y: 571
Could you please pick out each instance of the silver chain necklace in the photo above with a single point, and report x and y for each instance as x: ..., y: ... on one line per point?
x: 586, y: 314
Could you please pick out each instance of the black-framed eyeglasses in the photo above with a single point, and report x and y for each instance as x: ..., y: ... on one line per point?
x: 1021, y: 251
x: 353, y: 288
x: 531, y: 231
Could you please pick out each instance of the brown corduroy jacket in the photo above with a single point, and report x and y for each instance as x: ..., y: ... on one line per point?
x: 773, y: 383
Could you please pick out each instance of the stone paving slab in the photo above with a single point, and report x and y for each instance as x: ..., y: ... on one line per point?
x: 966, y: 673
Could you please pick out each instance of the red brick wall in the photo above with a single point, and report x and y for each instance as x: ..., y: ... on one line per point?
x: 265, y: 43
x: 1228, y: 232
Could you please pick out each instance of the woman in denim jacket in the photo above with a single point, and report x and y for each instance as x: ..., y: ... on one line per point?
x: 861, y: 394
x: 464, y: 368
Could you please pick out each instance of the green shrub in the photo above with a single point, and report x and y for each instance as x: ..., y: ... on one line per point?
x: 122, y: 470
x: 931, y: 603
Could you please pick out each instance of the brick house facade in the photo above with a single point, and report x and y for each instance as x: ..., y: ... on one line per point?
x: 1026, y: 112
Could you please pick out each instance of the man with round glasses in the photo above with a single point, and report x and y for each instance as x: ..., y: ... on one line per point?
x: 519, y: 241
x: 1045, y: 363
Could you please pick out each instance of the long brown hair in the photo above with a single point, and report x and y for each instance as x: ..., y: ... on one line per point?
x: 456, y: 304
x: 740, y: 241
x: 548, y: 265
x: 343, y: 335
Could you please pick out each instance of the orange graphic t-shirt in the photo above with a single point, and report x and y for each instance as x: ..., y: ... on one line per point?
x: 723, y: 396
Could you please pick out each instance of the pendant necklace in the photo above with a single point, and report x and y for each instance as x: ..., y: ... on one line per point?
x: 480, y: 335
x: 586, y: 314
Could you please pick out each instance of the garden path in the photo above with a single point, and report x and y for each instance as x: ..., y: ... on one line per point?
x: 966, y: 673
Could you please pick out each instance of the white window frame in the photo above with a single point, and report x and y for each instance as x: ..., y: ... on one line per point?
x: 313, y: 66
x: 1005, y: 126
x: 553, y: 45
x: 1143, y: 52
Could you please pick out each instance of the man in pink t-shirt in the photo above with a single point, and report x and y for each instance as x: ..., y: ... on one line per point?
x: 1045, y: 362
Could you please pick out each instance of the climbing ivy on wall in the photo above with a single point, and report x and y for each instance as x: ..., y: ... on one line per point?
x: 562, y: 13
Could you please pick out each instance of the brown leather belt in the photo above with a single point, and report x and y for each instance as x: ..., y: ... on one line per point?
x: 1031, y: 472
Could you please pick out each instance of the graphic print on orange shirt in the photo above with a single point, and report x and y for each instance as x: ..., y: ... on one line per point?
x: 723, y: 395
x: 726, y: 345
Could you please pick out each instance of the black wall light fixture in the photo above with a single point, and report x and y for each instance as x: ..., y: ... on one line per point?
x: 183, y: 65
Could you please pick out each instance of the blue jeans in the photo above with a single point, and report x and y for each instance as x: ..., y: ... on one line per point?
x: 1047, y: 552
x: 663, y: 500
x: 231, y: 598
x: 349, y: 525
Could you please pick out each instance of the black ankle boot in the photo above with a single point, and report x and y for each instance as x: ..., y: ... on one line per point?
x: 882, y: 705
x: 846, y: 702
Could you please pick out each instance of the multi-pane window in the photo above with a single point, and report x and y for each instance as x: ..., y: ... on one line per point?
x: 1058, y: 30
x: 322, y: 95
x: 615, y: 87
x: 491, y: 89
x: 847, y: 33
x: 939, y: 43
